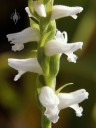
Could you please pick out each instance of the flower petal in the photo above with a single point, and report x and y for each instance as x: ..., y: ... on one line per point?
x: 68, y: 99
x: 48, y: 97
x: 50, y: 101
x: 28, y: 12
x: 60, y: 11
x: 52, y: 114
x: 27, y: 35
x: 72, y: 57
x: 18, y: 47
x: 39, y: 8
x: 60, y: 45
x: 25, y: 65
x: 17, y: 77
x: 77, y: 109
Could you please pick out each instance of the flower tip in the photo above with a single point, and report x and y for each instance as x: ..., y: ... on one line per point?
x: 28, y: 12
x: 79, y: 112
x: 80, y: 44
x: 16, y: 78
x: 84, y: 93
x: 74, y: 16
x: 44, y: 14
x: 39, y: 8
x: 87, y: 94
x: 80, y: 9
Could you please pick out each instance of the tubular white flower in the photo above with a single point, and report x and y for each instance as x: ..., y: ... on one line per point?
x: 60, y: 11
x: 60, y: 45
x: 24, y: 65
x: 54, y: 103
x: 39, y: 8
x: 50, y: 101
x: 27, y: 35
x: 72, y: 100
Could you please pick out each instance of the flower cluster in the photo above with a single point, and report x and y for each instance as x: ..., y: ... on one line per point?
x: 42, y: 15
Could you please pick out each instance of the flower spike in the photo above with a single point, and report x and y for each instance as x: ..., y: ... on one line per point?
x: 60, y: 45
x: 27, y: 35
x: 24, y: 65
x: 60, y: 11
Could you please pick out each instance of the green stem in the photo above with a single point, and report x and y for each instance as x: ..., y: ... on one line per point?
x: 45, y: 122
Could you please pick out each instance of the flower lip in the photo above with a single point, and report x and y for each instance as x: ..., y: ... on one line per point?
x: 30, y: 14
x: 27, y: 35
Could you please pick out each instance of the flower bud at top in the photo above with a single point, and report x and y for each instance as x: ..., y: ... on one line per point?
x: 39, y: 8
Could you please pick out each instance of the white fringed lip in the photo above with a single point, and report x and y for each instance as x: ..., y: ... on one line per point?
x: 27, y: 35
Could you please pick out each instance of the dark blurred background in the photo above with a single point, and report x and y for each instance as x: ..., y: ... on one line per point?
x: 18, y: 107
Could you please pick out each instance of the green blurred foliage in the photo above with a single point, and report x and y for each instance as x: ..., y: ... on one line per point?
x: 18, y: 107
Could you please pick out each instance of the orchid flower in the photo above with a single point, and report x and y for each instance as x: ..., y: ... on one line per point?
x: 60, y: 11
x: 50, y: 101
x: 25, y: 65
x: 54, y: 103
x: 27, y: 35
x: 60, y: 45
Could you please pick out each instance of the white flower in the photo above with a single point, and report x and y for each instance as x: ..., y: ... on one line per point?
x: 39, y: 8
x: 60, y: 11
x: 60, y: 45
x: 50, y: 101
x: 54, y: 103
x: 24, y: 65
x: 27, y: 35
